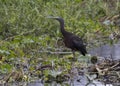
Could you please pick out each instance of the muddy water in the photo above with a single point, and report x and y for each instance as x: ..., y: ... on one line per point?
x: 74, y: 83
x: 107, y: 50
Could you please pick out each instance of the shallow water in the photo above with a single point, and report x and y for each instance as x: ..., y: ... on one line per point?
x: 74, y: 83
x: 107, y: 50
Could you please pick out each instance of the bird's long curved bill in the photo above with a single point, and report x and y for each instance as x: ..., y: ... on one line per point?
x: 51, y: 17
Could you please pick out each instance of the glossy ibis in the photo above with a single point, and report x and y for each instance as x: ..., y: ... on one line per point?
x: 70, y: 40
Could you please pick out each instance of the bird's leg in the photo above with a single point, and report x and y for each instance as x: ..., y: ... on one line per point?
x: 73, y: 53
x: 74, y: 58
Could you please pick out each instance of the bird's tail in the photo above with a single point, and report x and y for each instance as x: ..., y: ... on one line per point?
x: 83, y: 51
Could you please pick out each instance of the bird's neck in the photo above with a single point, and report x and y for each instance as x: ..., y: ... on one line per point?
x: 63, y: 31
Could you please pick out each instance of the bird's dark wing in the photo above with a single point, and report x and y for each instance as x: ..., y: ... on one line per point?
x: 79, y: 45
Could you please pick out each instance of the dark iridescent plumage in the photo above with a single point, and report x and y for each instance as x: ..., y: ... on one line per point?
x: 71, y: 41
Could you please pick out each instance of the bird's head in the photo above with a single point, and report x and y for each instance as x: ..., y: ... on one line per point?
x: 57, y: 18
